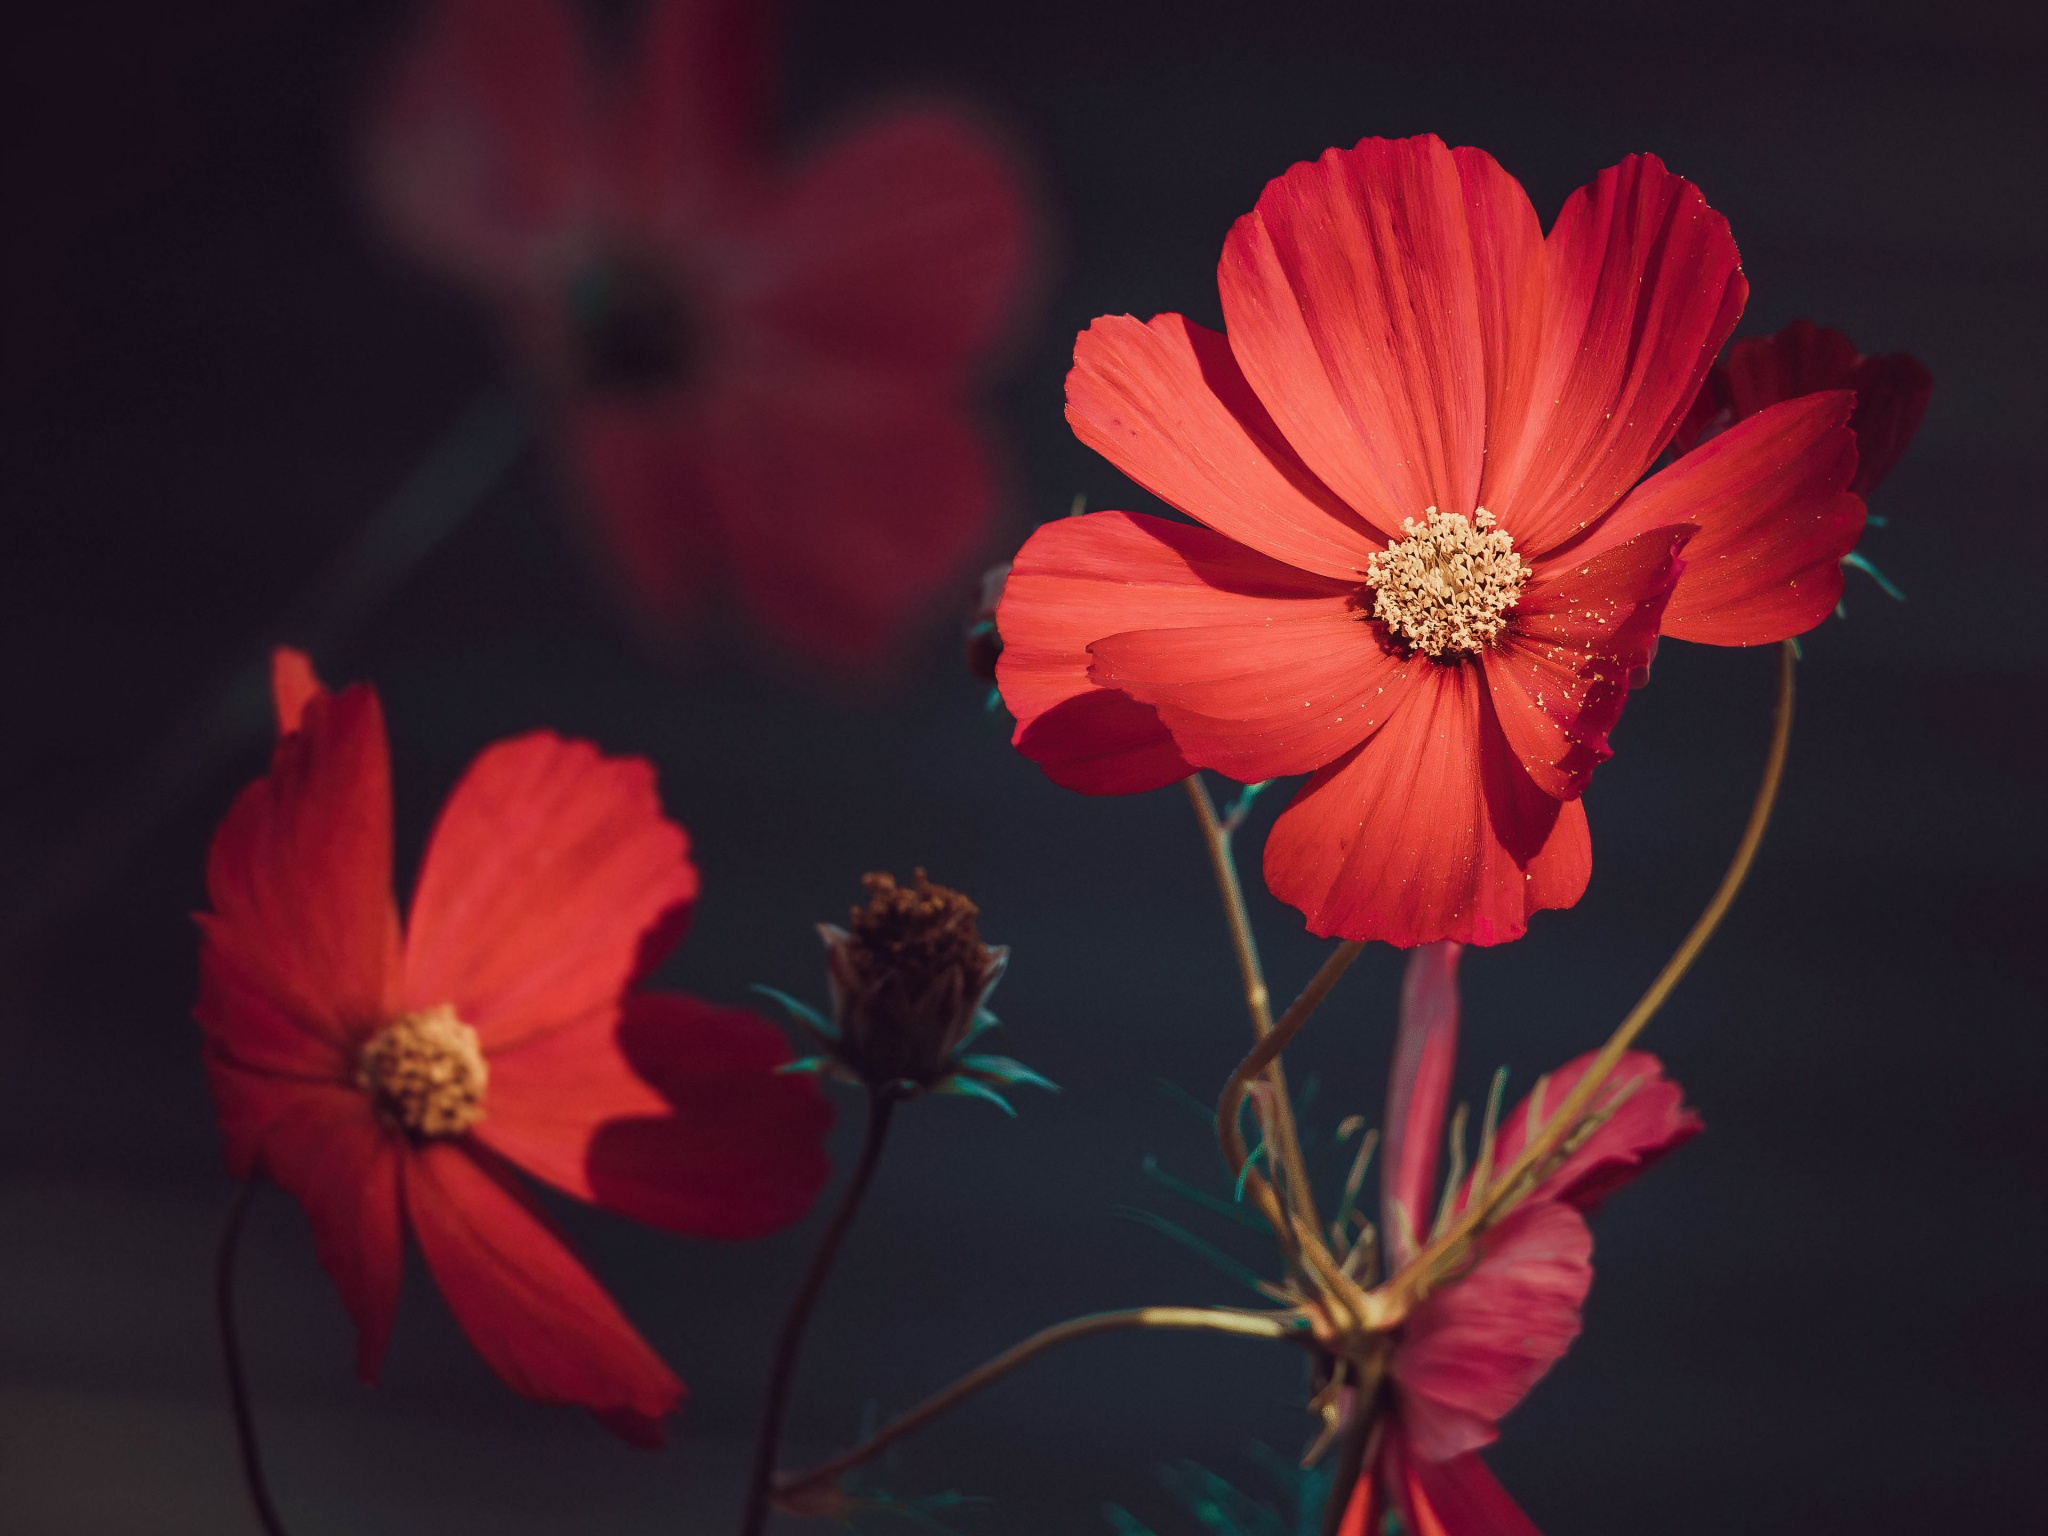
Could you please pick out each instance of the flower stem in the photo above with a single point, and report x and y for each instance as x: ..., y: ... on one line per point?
x: 782, y: 1373
x: 1447, y: 1248
x: 231, y: 1358
x: 1279, y: 1114
x: 1244, y: 1324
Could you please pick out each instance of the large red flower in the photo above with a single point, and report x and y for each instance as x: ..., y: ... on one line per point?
x: 1425, y: 569
x: 1473, y: 1349
x: 1891, y: 392
x: 759, y: 372
x: 389, y: 1078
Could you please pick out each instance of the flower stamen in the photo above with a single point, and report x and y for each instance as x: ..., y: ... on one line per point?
x: 1445, y: 589
x: 426, y: 1073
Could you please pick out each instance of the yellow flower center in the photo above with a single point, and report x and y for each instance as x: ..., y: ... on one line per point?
x: 1445, y: 589
x: 426, y: 1073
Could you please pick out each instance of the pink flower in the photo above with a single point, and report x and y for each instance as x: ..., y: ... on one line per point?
x: 1473, y: 1349
x: 758, y: 373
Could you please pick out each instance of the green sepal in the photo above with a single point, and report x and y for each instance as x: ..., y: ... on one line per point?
x: 1005, y: 1070
x: 818, y: 1064
x: 967, y: 1087
x: 802, y: 1013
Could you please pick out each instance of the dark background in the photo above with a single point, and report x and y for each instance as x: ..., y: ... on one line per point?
x: 1825, y: 1315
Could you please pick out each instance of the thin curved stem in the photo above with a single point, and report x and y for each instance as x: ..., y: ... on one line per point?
x: 231, y: 1358
x: 1449, y: 1244
x: 782, y: 1373
x: 1281, y: 1132
x: 1251, y: 1325
x: 1267, y: 1052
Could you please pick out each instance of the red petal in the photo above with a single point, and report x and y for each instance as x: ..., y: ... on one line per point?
x: 1768, y: 497
x: 532, y: 1311
x: 551, y: 883
x: 1430, y: 830
x: 900, y: 249
x: 1458, y: 1497
x: 1165, y: 403
x: 1464, y: 1499
x: 1475, y: 1348
x: 1102, y: 743
x: 668, y: 1110
x: 299, y: 882
x: 1649, y: 1119
x: 683, y: 121
x: 481, y: 147
x: 1891, y: 396
x: 322, y: 1145
x: 846, y: 503
x: 1418, y: 1086
x: 293, y: 684
x: 1580, y: 633
x: 1644, y: 288
x: 1352, y: 304
x: 1293, y: 684
x: 1082, y: 579
x: 639, y: 474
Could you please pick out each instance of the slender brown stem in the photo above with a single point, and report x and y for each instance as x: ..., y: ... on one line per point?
x: 782, y: 1373
x: 1278, y: 1118
x: 1450, y: 1244
x: 231, y: 1358
x: 1267, y: 1052
x: 1244, y: 1324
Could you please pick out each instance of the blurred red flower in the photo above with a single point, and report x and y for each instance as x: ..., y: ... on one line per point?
x: 1473, y: 1349
x: 387, y: 1077
x: 759, y: 373
x: 1426, y: 570
x: 1891, y: 392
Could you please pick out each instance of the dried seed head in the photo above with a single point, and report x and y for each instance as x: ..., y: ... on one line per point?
x: 1446, y: 588
x: 426, y: 1073
x: 908, y: 972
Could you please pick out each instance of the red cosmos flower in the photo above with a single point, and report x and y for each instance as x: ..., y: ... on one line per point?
x: 388, y: 1078
x: 1891, y: 392
x: 758, y: 373
x: 1425, y: 570
x: 1473, y: 1349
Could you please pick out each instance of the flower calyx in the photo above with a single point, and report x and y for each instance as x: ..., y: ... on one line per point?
x: 909, y: 980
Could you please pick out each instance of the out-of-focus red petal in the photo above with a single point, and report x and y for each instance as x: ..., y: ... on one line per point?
x: 1644, y: 287
x: 551, y: 883
x: 1166, y: 403
x: 668, y: 1110
x: 1465, y: 1499
x: 1648, y: 1118
x: 900, y: 248
x: 293, y: 684
x: 1418, y: 1087
x: 481, y: 151
x: 1352, y: 305
x: 299, y: 880
x: 1289, y: 686
x: 321, y: 1143
x: 639, y: 468
x: 1458, y: 1497
x: 682, y: 122
x: 1102, y: 743
x: 1475, y: 1348
x: 1769, y: 499
x: 531, y: 1309
x: 1083, y: 579
x: 846, y: 503
x: 1581, y: 631
x: 1429, y: 830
